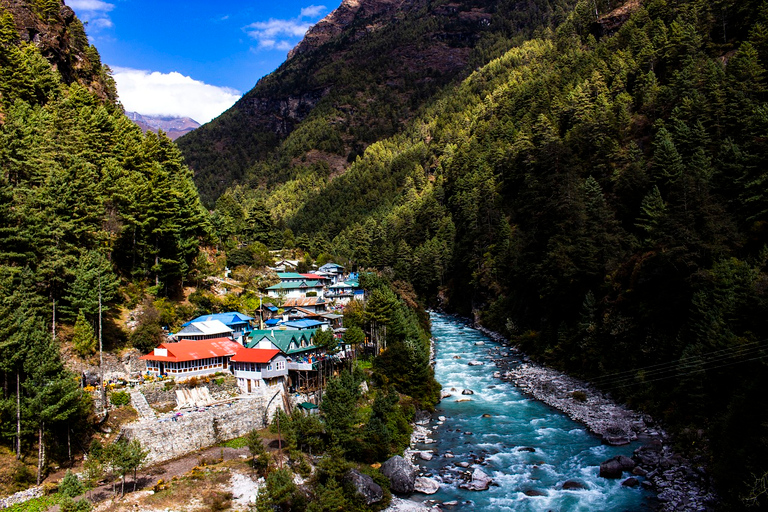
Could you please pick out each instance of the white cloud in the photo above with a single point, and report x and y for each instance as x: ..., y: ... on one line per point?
x: 93, y: 12
x: 171, y: 94
x: 283, y: 34
x: 90, y: 5
x: 312, y: 11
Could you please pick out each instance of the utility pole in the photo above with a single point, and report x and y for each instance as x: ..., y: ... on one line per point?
x: 101, y: 357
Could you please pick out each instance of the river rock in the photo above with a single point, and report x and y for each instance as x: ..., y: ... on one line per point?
x: 476, y: 363
x: 441, y: 418
x: 425, y: 455
x: 463, y: 464
x: 370, y: 491
x: 486, y: 415
x: 479, y: 343
x: 526, y: 449
x: 480, y: 481
x: 631, y: 482
x: 467, y: 392
x: 426, y: 485
x: 464, y: 400
x: 401, y: 474
x: 573, y: 485
x: 534, y: 492
x: 614, y: 467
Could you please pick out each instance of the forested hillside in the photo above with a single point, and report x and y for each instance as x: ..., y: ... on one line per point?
x: 597, y: 193
x: 86, y: 201
x: 358, y: 77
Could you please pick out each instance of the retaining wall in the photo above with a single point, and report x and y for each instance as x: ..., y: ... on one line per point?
x: 167, y: 438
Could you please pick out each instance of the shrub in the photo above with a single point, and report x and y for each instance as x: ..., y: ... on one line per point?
x: 71, y: 486
x: 579, y: 396
x: 120, y: 398
x: 70, y: 505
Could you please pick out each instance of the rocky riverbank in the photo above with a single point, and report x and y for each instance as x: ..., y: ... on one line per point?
x: 680, y: 485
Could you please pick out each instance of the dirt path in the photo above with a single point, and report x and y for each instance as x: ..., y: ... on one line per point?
x: 165, y: 471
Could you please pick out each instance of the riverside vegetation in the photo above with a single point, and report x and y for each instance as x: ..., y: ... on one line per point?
x: 594, y: 190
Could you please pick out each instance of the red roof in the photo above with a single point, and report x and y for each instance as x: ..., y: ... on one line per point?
x: 255, y: 355
x: 313, y: 277
x: 192, y: 350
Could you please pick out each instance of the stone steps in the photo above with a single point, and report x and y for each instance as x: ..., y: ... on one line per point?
x: 139, y: 402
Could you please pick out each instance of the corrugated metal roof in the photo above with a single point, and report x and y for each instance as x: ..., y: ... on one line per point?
x: 205, y: 327
x: 230, y: 318
x: 192, y: 350
x: 254, y: 355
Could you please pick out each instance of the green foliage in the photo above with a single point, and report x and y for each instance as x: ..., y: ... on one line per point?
x: 71, y: 486
x: 84, y: 338
x: 280, y: 493
x: 119, y: 398
x: 338, y: 408
x: 70, y: 505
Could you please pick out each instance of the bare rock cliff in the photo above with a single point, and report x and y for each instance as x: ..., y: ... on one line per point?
x: 338, y: 20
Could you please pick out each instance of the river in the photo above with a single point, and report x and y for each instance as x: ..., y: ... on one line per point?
x: 528, y: 448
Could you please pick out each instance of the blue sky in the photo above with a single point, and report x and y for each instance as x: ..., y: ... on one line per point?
x: 193, y: 58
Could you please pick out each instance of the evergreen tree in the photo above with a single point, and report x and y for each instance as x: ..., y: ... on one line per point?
x: 84, y: 338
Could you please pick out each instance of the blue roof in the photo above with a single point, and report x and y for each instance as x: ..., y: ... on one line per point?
x: 231, y: 318
x: 303, y: 324
x: 272, y: 321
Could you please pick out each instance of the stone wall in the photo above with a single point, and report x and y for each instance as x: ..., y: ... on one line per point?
x: 172, y: 436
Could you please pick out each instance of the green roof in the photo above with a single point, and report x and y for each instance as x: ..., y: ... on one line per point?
x: 290, y: 275
x: 282, y: 339
x: 293, y: 286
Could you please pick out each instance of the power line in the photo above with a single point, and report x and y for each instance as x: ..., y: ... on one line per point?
x: 695, y: 363
x: 661, y: 367
x: 690, y: 373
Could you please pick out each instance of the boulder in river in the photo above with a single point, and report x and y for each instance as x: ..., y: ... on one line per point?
x: 370, y: 491
x: 614, y: 467
x: 425, y: 455
x: 401, y: 474
x: 475, y: 363
x: 631, y: 482
x: 573, y: 485
x: 426, y: 485
x: 480, y: 481
x: 526, y: 449
x: 467, y: 392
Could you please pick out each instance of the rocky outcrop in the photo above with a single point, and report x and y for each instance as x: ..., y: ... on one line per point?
x: 61, y: 38
x: 364, y: 486
x: 401, y: 474
x: 611, y: 22
x: 341, y: 18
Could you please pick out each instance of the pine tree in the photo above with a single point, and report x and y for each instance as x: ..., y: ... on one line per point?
x: 84, y: 338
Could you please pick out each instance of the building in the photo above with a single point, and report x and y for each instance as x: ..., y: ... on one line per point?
x: 206, y: 330
x: 306, y: 324
x: 256, y: 368
x: 300, y: 351
x: 296, y: 289
x: 191, y: 358
x: 238, y: 322
x: 345, y: 291
x: 314, y: 304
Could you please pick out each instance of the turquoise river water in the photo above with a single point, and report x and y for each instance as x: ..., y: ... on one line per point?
x: 564, y: 449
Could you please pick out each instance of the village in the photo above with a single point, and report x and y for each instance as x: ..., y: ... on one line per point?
x: 220, y: 363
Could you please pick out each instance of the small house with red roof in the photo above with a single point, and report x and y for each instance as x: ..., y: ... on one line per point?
x: 256, y: 368
x: 192, y: 358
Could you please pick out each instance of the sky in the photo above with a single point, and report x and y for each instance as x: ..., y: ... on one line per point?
x: 193, y: 58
